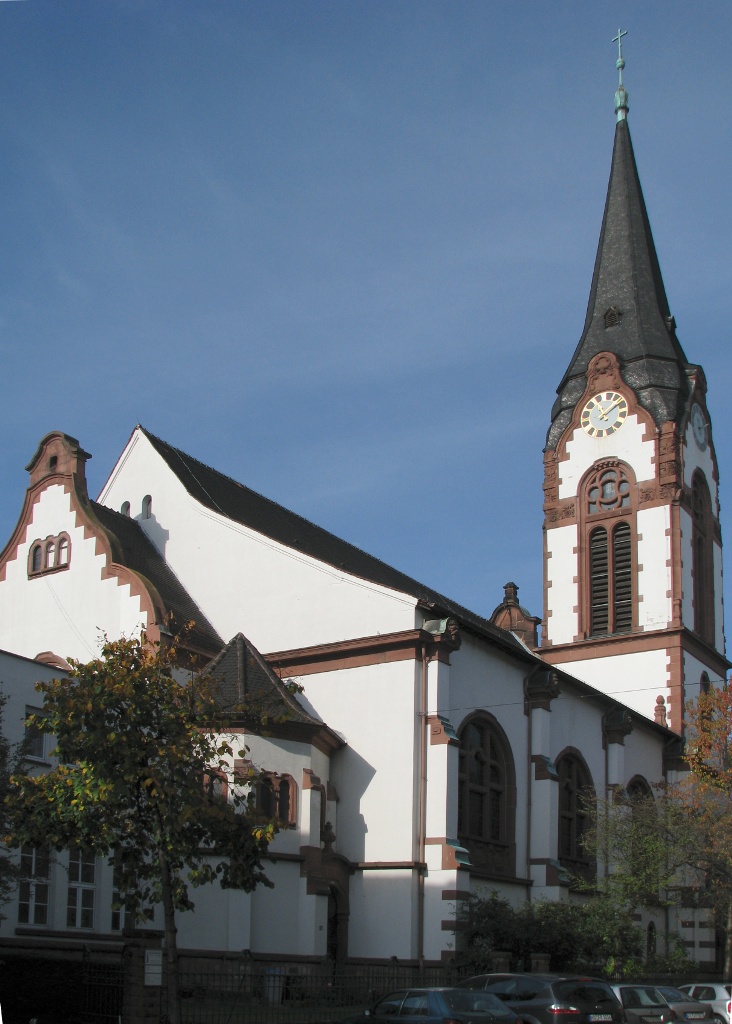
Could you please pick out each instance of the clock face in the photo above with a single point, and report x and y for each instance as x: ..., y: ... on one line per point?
x: 699, y: 426
x: 604, y: 414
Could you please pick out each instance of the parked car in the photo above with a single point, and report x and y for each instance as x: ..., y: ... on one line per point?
x: 716, y: 994
x: 684, y: 1005
x: 553, y: 999
x: 435, y: 1006
x: 643, y: 1004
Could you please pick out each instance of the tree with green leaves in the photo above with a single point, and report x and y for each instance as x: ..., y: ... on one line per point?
x: 8, y: 764
x: 145, y: 778
x: 707, y: 795
x: 672, y: 847
x: 574, y: 934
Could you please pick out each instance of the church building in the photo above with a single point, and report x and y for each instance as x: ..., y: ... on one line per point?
x: 433, y: 753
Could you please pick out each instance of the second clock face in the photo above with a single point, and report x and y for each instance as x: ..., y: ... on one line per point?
x: 699, y: 426
x: 604, y: 414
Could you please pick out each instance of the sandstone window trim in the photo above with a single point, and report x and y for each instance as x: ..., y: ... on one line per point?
x: 487, y: 795
x: 608, y: 550
x: 49, y: 555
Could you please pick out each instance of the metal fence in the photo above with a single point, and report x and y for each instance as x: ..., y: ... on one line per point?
x: 246, y: 992
x: 102, y: 991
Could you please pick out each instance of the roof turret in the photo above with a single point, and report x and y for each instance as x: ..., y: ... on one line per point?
x: 628, y: 311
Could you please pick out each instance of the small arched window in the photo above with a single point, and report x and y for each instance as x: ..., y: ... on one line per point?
x: 49, y: 555
x: 147, y: 507
x: 704, y: 683
x: 125, y: 508
x: 53, y: 463
x: 275, y: 798
x: 576, y: 800
x: 283, y: 801
x: 63, y: 551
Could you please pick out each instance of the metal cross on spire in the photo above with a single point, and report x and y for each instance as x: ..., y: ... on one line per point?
x: 621, y: 96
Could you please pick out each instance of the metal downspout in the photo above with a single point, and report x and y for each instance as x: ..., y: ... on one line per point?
x: 529, y: 790
x: 422, y: 817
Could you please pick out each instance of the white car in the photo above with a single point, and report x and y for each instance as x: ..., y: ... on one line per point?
x: 714, y: 993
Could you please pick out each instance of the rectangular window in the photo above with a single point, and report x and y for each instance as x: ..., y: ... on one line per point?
x: 35, y: 745
x: 118, y: 911
x: 33, y: 887
x: 80, y: 901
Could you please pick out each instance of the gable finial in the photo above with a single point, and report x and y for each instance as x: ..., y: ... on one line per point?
x: 621, y: 96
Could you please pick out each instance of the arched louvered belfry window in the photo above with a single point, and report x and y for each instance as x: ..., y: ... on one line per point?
x: 702, y: 558
x: 608, y: 529
x: 487, y: 796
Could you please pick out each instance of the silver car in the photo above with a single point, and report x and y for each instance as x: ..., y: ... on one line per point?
x: 716, y: 994
x: 685, y: 1006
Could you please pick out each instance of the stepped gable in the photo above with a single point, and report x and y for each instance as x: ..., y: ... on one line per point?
x: 234, y: 501
x: 133, y: 549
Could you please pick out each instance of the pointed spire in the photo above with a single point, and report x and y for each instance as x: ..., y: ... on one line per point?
x: 628, y: 311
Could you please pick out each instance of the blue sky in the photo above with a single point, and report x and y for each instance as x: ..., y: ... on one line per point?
x: 342, y: 250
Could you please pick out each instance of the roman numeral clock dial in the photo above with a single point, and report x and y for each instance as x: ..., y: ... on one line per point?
x: 604, y: 414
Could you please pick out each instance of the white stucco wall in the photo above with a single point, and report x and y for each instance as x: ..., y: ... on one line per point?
x: 243, y: 580
x: 66, y: 611
x: 636, y: 679
x: 374, y: 708
x: 654, y: 574
x: 383, y: 914
x: 627, y: 444
x: 561, y: 573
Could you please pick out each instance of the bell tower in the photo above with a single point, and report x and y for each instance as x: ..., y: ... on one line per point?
x: 633, y: 548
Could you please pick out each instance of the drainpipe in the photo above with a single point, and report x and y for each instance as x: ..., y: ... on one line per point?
x: 422, y: 812
x: 529, y: 786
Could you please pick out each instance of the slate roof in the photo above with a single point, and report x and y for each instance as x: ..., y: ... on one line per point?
x: 627, y: 276
x: 245, y: 681
x: 234, y: 501
x: 132, y: 548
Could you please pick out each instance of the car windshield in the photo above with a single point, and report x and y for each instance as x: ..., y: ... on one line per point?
x: 674, y: 995
x: 637, y: 995
x: 585, y: 993
x: 470, y: 1000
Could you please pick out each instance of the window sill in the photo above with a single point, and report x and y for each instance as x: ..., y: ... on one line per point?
x: 48, y: 572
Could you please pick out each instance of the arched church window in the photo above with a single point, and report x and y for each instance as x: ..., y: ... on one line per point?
x: 608, y: 532
x: 704, y: 683
x: 702, y: 558
x: 50, y: 559
x: 487, y: 796
x: 575, y: 815
x: 147, y: 507
x: 650, y: 940
x: 37, y: 558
